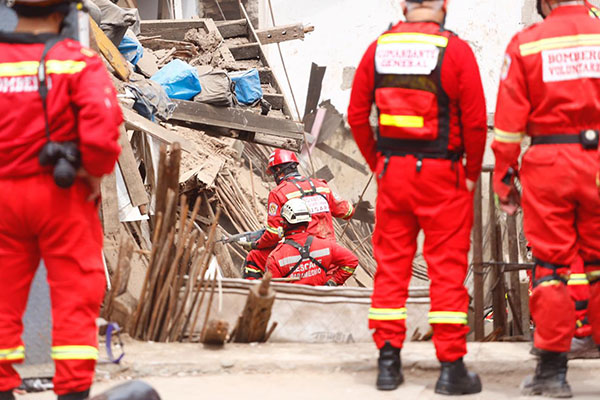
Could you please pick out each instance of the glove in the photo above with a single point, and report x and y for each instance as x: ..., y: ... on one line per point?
x: 248, y: 246
x: 330, y: 283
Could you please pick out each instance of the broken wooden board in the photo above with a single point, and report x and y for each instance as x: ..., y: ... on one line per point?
x: 170, y: 29
x: 343, y: 158
x: 110, y: 52
x: 236, y: 118
x: 284, y: 33
x: 129, y: 170
x: 138, y: 123
x: 110, y: 204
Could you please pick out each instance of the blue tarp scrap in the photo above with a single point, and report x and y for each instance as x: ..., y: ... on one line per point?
x: 179, y: 79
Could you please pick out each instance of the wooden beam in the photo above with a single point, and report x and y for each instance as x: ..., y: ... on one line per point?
x: 283, y: 33
x: 234, y: 118
x: 129, y: 170
x: 235, y: 28
x: 247, y: 51
x: 170, y: 29
x: 110, y: 204
x: 315, y: 85
x: 478, y: 263
x: 343, y: 158
x: 275, y: 99
x: 110, y: 52
x: 266, y: 75
x: 136, y: 122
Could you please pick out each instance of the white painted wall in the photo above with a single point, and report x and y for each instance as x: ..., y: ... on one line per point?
x: 345, y: 28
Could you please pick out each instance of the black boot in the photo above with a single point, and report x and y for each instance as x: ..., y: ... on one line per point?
x: 390, y: 374
x: 8, y: 395
x: 456, y: 380
x: 75, y: 396
x: 550, y: 377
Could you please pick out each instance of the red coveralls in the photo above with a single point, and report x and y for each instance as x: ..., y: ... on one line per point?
x: 322, y: 202
x: 39, y: 220
x: 550, y: 86
x: 425, y: 83
x: 330, y: 255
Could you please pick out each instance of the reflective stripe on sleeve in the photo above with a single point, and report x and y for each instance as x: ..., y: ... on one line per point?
x: 553, y: 282
x: 29, y: 68
x: 74, y: 353
x: 387, y: 314
x: 349, y: 213
x: 578, y: 279
x: 349, y: 270
x: 447, y: 317
x: 508, y: 137
x: 562, y: 42
x: 420, y: 38
x: 402, y: 121
x: 275, y: 231
x: 12, y: 354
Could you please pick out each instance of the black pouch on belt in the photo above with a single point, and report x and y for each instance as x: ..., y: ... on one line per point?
x: 589, y: 139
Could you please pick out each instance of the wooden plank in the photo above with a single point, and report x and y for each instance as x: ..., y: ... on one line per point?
x: 231, y: 29
x: 478, y: 262
x: 136, y: 122
x: 498, y: 288
x: 275, y: 99
x: 170, y: 29
x: 282, y: 33
x: 110, y: 52
x: 515, y: 283
x: 129, y: 170
x: 343, y: 158
x: 315, y: 85
x: 110, y: 204
x: 248, y: 51
x: 234, y: 118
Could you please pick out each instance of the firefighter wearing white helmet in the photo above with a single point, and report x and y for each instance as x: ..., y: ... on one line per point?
x: 306, y: 259
x: 59, y: 131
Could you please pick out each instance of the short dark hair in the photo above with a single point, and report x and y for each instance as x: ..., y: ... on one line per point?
x: 39, y: 12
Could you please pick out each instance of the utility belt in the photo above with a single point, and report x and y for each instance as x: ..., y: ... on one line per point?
x: 587, y: 138
x: 454, y: 157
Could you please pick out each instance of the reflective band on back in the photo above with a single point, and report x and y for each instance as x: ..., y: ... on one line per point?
x: 447, y: 317
x: 578, y: 279
x: 387, y: 314
x: 508, y: 137
x: 420, y: 38
x: 562, y: 42
x: 12, y: 354
x: 30, y: 68
x: 402, y: 121
x: 74, y: 353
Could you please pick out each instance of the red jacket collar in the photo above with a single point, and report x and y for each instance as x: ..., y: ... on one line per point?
x: 569, y: 10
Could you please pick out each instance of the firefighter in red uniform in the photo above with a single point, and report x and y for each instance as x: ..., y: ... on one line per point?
x: 59, y: 109
x: 321, y: 200
x: 426, y: 86
x: 312, y: 260
x: 550, y: 90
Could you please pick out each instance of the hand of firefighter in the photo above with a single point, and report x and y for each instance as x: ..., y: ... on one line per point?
x: 510, y: 204
x: 471, y: 185
x: 93, y: 183
x: 248, y: 245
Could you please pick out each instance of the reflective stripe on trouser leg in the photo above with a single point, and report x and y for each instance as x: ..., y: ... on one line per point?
x: 387, y: 314
x: 74, y: 353
x: 447, y: 317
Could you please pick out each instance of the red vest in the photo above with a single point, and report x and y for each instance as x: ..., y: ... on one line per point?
x: 413, y: 108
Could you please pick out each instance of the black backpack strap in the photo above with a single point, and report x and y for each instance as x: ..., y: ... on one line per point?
x: 43, y: 80
x: 304, y: 255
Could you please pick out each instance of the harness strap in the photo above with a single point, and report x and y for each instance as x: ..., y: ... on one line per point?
x: 554, y: 277
x: 304, y: 255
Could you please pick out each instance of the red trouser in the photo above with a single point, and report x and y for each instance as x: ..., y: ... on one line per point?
x: 256, y: 262
x: 41, y: 221
x: 579, y: 290
x: 561, y: 209
x: 437, y: 201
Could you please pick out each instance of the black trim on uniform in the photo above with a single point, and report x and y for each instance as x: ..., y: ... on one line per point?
x: 547, y: 265
x: 592, y: 263
x: 581, y: 305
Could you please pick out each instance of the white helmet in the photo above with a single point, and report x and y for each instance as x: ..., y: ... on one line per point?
x: 295, y: 211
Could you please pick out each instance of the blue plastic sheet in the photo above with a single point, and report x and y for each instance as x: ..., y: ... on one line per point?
x: 247, y: 86
x: 179, y: 79
x: 131, y: 49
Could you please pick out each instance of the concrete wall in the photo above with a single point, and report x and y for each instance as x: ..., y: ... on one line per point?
x: 344, y: 29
